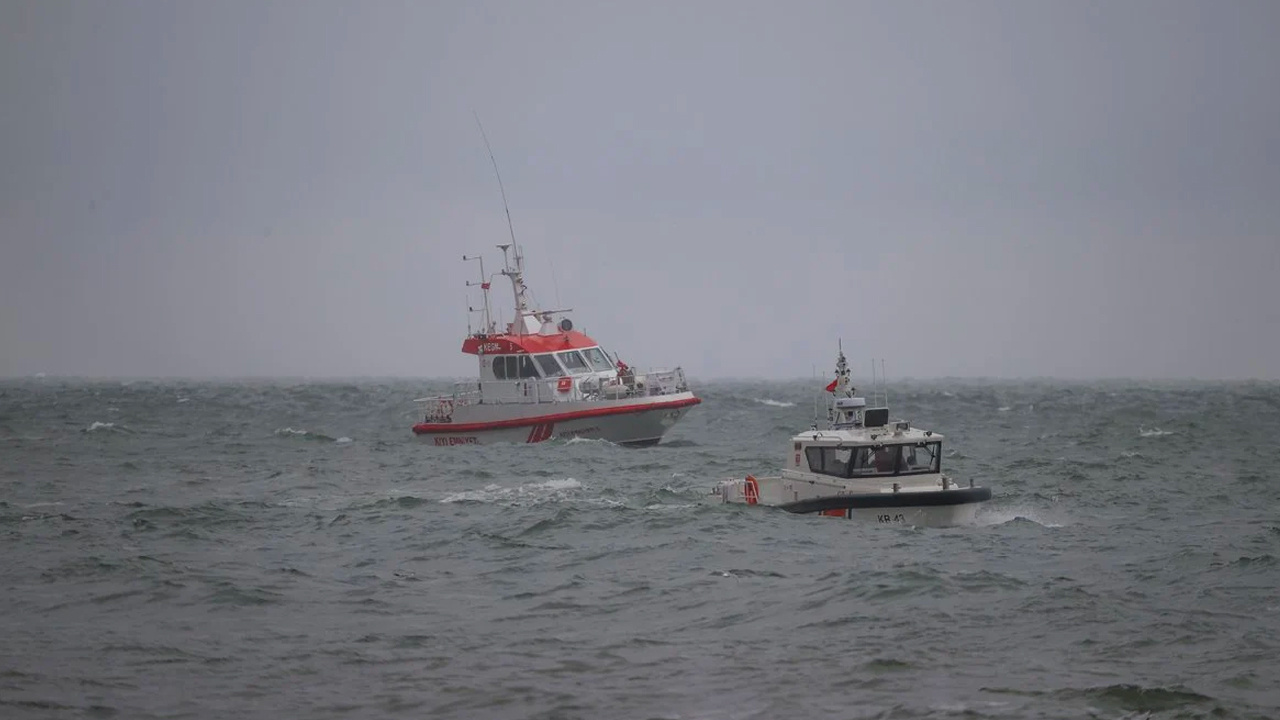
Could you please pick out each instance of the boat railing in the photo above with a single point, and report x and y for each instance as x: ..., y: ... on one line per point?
x: 493, y: 392
x: 665, y: 382
x: 440, y: 408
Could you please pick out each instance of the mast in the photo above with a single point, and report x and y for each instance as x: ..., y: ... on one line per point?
x: 511, y: 251
x: 484, y: 290
x: 516, y: 274
x: 842, y: 370
x: 518, y: 288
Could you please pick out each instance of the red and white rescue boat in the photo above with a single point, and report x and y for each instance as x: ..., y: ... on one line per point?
x: 540, y: 379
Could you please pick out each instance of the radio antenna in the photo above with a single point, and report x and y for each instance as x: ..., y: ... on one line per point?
x: 501, y: 189
x: 884, y: 383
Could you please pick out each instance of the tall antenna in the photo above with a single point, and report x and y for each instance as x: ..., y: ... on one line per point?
x: 873, y: 381
x: 554, y: 283
x: 814, y: 375
x: 501, y: 189
x: 884, y: 383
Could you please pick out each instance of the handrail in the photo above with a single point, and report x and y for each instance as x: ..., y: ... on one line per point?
x: 527, y: 391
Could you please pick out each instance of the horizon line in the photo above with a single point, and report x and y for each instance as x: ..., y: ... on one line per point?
x: 710, y: 378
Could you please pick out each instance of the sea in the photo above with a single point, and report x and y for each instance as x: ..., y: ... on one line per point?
x: 288, y: 549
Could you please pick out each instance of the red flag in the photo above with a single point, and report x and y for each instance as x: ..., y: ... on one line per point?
x: 831, y: 387
x: 484, y: 286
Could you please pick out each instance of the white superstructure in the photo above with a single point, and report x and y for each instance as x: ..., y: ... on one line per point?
x: 862, y: 466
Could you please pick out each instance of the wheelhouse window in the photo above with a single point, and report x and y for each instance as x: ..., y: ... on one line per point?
x: 573, y: 362
x: 527, y: 368
x: 599, y: 361
x: 514, y: 367
x: 922, y: 458
x: 875, y: 461
x: 830, y: 460
x: 845, y: 462
x: 550, y: 368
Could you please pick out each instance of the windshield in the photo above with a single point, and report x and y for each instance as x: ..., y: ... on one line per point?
x: 920, y: 458
x: 573, y: 362
x: 549, y: 366
x: 875, y: 461
x: 884, y: 460
x: 597, y: 359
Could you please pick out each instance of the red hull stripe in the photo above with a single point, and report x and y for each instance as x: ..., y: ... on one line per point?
x: 451, y: 428
x: 541, y: 432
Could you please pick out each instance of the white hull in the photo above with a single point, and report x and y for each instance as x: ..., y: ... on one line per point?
x: 942, y: 516
x: 629, y: 421
x: 922, y: 504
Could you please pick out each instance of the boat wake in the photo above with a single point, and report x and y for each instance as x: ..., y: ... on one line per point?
x: 537, y: 492
x: 107, y: 427
x: 774, y: 403
x: 308, y: 435
x: 582, y: 440
x: 1006, y: 515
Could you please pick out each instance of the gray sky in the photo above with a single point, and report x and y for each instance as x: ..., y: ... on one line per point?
x: 1070, y: 189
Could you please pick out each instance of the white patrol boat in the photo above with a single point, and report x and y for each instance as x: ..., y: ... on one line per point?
x: 863, y: 467
x: 541, y: 379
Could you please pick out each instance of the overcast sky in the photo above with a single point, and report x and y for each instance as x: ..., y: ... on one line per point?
x: 1068, y: 189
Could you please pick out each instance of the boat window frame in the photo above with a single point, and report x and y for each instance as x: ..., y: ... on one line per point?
x: 861, y: 462
x: 935, y: 467
x: 586, y: 367
x: 603, y: 365
x: 542, y: 358
x: 871, y: 460
x: 498, y: 364
x: 827, y: 455
x: 528, y: 368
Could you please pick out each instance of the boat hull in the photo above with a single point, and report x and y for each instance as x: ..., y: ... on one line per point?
x: 625, y: 422
x: 930, y: 508
x: 919, y: 506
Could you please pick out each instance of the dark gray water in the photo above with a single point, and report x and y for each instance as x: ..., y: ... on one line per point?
x: 270, y: 550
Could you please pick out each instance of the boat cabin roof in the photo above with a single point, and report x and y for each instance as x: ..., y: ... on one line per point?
x: 897, y: 432
x: 506, y: 344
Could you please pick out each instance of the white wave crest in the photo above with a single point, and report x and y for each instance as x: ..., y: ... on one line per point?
x: 1000, y: 516
x: 106, y: 427
x: 576, y: 440
x: 773, y: 403
x: 343, y: 440
x: 290, y: 431
x: 521, y: 494
x: 1153, y: 432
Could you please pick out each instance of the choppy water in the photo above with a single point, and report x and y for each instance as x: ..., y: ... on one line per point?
x: 290, y: 550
